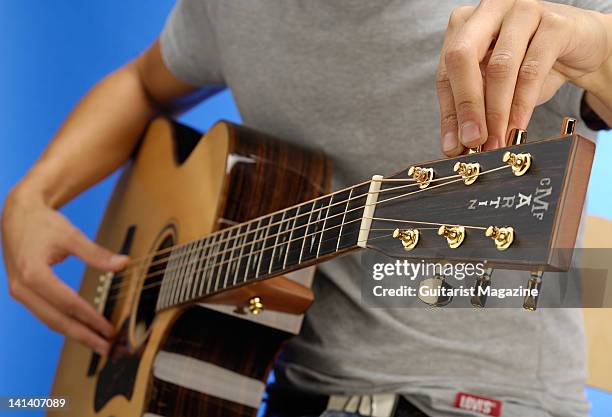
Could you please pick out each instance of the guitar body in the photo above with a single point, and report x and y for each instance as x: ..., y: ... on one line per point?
x: 208, y: 359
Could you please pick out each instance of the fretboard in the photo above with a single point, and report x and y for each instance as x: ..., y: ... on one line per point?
x: 264, y: 247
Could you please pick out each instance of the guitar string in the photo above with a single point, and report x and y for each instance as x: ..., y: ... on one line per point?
x: 207, y: 280
x: 233, y: 249
x: 260, y: 228
x: 226, y: 250
x: 137, y: 261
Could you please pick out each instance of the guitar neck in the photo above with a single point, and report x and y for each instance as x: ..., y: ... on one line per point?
x: 267, y: 246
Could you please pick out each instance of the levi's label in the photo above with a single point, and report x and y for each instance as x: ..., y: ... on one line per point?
x: 478, y: 404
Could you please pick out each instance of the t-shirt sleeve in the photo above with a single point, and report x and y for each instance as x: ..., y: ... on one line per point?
x: 188, y: 44
x: 566, y: 102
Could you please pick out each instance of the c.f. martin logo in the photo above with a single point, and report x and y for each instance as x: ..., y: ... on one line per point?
x: 536, y: 202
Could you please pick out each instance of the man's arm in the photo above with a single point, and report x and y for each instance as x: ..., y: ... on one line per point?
x: 96, y: 138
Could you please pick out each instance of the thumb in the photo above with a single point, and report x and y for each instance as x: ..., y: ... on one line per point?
x: 95, y: 255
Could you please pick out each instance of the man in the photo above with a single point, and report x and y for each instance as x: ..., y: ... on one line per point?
x: 356, y: 78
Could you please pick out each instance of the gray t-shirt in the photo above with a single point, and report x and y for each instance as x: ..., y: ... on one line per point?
x: 356, y: 78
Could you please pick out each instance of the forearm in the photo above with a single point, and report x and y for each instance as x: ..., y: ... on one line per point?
x: 94, y: 140
x: 101, y: 132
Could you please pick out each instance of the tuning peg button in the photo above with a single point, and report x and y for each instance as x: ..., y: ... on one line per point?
x: 568, y: 126
x: 435, y: 291
x: 516, y: 137
x: 479, y: 299
x: 530, y: 302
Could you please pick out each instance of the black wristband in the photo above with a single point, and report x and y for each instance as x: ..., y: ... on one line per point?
x: 590, y: 118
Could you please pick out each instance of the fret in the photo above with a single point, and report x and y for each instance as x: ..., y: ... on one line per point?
x: 167, y: 280
x: 295, y: 219
x: 202, y: 265
x: 230, y: 248
x: 352, y: 219
x: 263, y: 241
x: 189, y: 271
x: 210, y: 262
x: 269, y: 247
x: 218, y: 266
x: 282, y: 238
x: 298, y: 239
x: 278, y: 232
x: 314, y: 229
x: 346, y: 206
x: 196, y: 271
x: 242, y: 231
x: 177, y: 274
x: 184, y: 278
x: 329, y: 205
x: 251, y: 238
x: 306, y: 227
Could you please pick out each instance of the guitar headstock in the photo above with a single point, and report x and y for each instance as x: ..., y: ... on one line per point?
x: 516, y: 208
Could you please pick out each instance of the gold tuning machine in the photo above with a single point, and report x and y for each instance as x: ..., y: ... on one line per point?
x: 520, y: 162
x: 516, y: 137
x: 568, y: 126
x: 468, y: 171
x: 256, y: 305
x: 477, y: 149
x: 408, y: 237
x: 454, y: 235
x: 534, y: 286
x: 422, y: 176
x: 502, y: 236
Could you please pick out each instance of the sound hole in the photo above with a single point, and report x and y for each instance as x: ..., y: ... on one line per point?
x: 151, y: 286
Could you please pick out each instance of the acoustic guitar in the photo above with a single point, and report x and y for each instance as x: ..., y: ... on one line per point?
x: 215, y: 225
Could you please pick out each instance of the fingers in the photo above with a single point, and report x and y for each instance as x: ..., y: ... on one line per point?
x: 56, y: 320
x: 544, y: 49
x: 502, y: 68
x: 462, y: 61
x: 44, y: 283
x: 448, y: 116
x: 94, y: 254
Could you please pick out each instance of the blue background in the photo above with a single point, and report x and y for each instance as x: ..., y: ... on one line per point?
x: 50, y: 54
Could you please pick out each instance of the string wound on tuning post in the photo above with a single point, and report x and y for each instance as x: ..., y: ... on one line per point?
x: 408, y: 237
x: 469, y: 171
x: 534, y: 286
x: 502, y: 236
x: 454, y: 235
x: 519, y: 162
x: 422, y: 176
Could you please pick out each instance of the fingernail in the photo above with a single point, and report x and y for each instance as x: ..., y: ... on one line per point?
x: 470, y: 133
x: 449, y: 141
x: 102, y: 349
x: 118, y: 259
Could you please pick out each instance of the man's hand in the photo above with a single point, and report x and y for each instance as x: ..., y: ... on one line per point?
x: 34, y: 237
x: 504, y: 57
x: 97, y: 137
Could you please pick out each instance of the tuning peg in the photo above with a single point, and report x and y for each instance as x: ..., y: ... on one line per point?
x: 516, y: 137
x: 423, y: 176
x: 483, y: 282
x: 435, y: 291
x: 568, y: 126
x: 530, y: 302
x: 408, y: 237
x: 502, y: 236
x: 520, y: 162
x: 468, y: 171
x: 454, y: 235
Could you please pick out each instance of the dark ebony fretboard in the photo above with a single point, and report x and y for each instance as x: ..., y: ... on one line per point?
x: 264, y: 247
